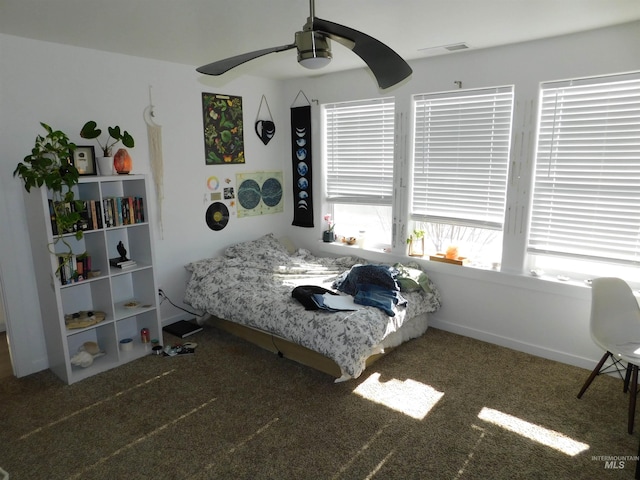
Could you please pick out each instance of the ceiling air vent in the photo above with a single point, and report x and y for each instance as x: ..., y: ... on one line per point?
x: 456, y: 46
x: 442, y: 49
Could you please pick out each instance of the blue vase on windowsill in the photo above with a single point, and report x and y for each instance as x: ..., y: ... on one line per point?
x: 328, y: 236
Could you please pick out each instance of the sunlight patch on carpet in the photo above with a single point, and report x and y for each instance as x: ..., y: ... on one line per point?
x: 412, y: 398
x: 544, y: 436
x: 83, y: 473
x: 96, y: 404
x: 375, y: 437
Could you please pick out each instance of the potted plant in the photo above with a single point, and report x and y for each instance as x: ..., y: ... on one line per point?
x: 416, y: 243
x: 90, y: 132
x: 50, y: 164
x: 328, y: 235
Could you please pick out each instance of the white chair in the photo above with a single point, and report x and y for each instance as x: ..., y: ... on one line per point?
x: 615, y: 327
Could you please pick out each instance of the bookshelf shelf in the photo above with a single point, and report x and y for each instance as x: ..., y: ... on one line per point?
x: 116, y: 212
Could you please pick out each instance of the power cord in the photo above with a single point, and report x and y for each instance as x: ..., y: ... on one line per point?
x: 164, y: 297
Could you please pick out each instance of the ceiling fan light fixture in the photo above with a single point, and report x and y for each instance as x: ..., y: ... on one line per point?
x: 314, y: 51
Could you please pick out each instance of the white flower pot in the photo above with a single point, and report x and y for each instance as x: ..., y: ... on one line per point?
x: 105, y: 165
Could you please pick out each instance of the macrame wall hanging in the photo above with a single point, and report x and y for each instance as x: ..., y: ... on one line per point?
x: 301, y: 162
x: 154, y: 134
x: 265, y: 127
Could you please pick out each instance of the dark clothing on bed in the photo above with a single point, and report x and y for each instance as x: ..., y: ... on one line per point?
x: 304, y: 294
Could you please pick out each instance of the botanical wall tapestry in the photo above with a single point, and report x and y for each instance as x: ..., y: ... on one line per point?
x: 223, y: 129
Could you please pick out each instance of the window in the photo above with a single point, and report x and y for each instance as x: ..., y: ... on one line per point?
x: 586, y: 199
x: 460, y: 166
x: 359, y: 152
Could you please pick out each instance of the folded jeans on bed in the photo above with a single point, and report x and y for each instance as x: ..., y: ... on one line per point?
x: 380, y: 297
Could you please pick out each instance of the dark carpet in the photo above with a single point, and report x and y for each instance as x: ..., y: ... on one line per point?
x: 439, y: 407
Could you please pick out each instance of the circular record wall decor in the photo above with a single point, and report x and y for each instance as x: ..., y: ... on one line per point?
x: 217, y: 216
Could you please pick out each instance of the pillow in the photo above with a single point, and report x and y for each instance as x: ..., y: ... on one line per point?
x: 288, y: 244
x: 412, y: 279
x: 265, y: 245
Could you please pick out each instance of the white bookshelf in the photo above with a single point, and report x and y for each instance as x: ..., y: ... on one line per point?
x: 108, y: 292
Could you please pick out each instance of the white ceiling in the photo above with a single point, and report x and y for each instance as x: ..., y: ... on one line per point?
x: 197, y: 32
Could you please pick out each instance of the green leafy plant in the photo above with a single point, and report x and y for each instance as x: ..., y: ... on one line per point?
x: 417, y: 234
x: 90, y: 132
x: 49, y: 164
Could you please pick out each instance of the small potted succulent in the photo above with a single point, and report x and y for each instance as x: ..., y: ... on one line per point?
x: 107, y: 163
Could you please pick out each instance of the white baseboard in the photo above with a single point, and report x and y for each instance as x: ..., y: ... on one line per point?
x: 514, y: 344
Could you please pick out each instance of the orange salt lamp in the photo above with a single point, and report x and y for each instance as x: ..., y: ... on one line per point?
x: 122, y: 161
x: 452, y: 253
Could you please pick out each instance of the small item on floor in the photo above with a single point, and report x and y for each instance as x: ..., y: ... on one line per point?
x: 182, y: 328
x: 180, y: 349
x: 157, y: 349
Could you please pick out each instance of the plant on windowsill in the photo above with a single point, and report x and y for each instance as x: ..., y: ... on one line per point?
x: 328, y: 235
x: 49, y: 164
x: 416, y: 243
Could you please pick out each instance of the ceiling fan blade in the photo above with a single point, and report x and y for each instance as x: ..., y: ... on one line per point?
x: 386, y: 65
x: 222, y: 66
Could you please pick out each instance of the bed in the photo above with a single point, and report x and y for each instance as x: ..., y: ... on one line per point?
x: 248, y: 292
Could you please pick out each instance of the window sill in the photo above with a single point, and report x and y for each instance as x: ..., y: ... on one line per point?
x: 544, y: 283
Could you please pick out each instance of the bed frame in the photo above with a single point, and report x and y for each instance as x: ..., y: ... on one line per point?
x: 285, y: 348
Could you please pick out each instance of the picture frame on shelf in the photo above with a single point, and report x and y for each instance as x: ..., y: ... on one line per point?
x: 84, y: 159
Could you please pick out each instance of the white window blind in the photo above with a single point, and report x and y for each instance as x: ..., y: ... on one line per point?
x: 586, y: 200
x: 359, y: 149
x: 461, y: 156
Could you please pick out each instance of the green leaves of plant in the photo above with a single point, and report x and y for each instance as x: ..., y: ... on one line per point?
x: 48, y: 164
x: 90, y: 131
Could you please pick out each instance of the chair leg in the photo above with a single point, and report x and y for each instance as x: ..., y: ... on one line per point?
x: 632, y: 398
x: 627, y: 377
x: 594, y: 373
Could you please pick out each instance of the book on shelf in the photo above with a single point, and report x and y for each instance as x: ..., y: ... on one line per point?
x: 123, y: 211
x: 89, y: 211
x: 73, y: 268
x: 119, y: 263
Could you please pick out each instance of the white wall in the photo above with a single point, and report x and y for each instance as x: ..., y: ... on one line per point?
x: 548, y: 318
x: 66, y: 86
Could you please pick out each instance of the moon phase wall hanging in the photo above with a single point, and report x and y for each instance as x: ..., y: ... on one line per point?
x: 301, y: 163
x: 217, y: 216
x: 223, y: 129
x: 259, y: 193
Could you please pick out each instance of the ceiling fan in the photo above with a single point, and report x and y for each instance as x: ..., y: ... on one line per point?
x: 314, y: 51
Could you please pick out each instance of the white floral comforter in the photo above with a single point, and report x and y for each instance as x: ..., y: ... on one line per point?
x: 252, y: 284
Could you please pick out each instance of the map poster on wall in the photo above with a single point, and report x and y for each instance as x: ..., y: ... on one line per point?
x: 259, y: 193
x: 223, y: 129
x: 301, y: 158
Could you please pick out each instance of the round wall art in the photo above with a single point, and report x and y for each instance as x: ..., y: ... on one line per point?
x: 217, y: 216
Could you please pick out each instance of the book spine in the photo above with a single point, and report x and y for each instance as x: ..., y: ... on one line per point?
x: 52, y: 215
x: 94, y: 215
x: 141, y: 210
x: 132, y: 215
